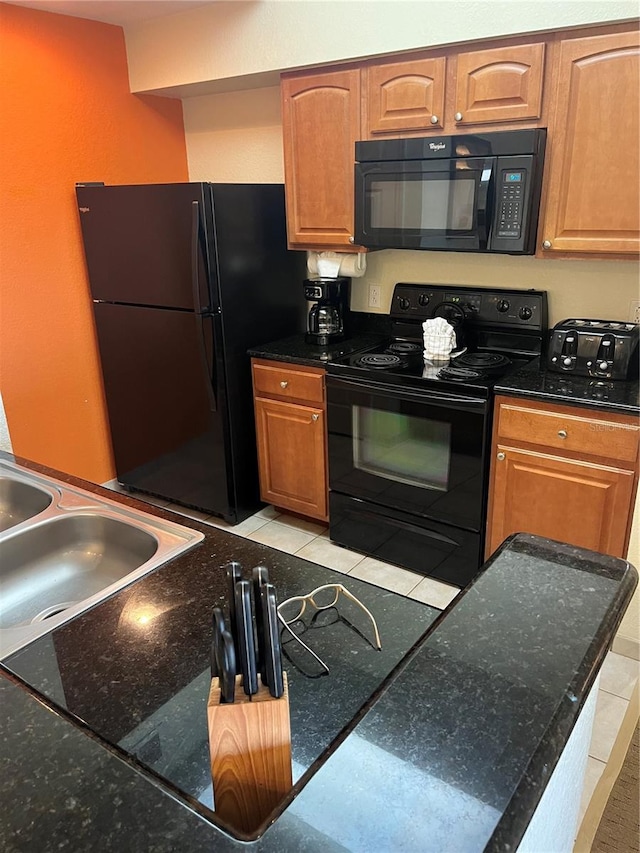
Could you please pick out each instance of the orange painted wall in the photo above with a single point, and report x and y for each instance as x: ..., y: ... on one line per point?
x: 66, y: 115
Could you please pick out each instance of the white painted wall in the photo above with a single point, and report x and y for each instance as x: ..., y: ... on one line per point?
x: 229, y: 40
x: 235, y: 137
x: 5, y: 438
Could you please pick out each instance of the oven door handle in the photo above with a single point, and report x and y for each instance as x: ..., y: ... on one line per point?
x: 438, y: 398
x: 405, y: 525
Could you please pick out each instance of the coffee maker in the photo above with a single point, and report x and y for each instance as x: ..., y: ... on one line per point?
x: 330, y: 311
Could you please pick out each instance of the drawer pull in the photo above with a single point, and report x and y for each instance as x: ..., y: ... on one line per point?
x: 314, y: 417
x: 284, y: 384
x: 501, y: 456
x: 562, y: 433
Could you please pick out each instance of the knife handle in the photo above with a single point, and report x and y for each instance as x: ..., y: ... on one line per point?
x: 259, y: 577
x: 234, y: 574
x: 227, y: 665
x: 246, y: 646
x: 273, y: 655
x: 217, y: 619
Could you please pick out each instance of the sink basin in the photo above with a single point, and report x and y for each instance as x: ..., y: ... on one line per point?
x: 64, y: 549
x: 20, y: 501
x: 66, y: 560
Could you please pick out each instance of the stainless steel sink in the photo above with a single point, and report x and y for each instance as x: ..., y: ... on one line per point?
x: 63, y: 549
x: 20, y: 501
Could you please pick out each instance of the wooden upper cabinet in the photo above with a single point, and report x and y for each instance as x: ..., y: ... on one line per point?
x: 404, y: 96
x: 321, y: 124
x: 592, y: 168
x: 499, y: 85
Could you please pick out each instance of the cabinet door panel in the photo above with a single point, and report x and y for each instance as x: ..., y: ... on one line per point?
x: 570, y: 501
x: 502, y: 84
x: 321, y: 121
x: 405, y: 96
x: 593, y: 171
x: 291, y: 456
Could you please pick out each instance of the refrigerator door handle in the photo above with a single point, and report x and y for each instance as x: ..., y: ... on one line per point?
x: 210, y: 372
x: 195, y: 259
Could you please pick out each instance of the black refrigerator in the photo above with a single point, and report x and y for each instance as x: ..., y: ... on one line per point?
x: 184, y: 279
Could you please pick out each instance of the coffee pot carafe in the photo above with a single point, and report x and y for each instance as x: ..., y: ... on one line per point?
x: 328, y: 314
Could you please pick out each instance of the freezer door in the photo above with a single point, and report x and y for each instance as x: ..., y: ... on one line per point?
x: 139, y: 242
x: 168, y: 429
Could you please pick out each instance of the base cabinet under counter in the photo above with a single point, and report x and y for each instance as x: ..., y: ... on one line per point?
x: 290, y: 412
x: 566, y: 473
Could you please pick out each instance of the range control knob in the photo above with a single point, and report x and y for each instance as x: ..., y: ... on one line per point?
x: 403, y: 302
x: 423, y: 299
x: 525, y: 312
x: 566, y: 361
x: 603, y: 365
x: 502, y: 305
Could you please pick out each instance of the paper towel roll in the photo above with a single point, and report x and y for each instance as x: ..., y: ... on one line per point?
x: 333, y: 264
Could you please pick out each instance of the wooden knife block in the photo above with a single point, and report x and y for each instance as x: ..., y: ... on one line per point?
x: 250, y: 749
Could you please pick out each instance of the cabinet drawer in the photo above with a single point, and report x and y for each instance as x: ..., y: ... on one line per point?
x: 288, y: 382
x: 599, y: 436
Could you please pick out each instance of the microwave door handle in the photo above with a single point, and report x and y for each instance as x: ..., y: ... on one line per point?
x: 484, y: 200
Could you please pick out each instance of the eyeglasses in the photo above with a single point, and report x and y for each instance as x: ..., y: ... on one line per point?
x: 322, y: 598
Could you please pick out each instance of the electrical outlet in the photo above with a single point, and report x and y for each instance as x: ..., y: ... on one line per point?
x: 375, y: 299
x: 634, y: 311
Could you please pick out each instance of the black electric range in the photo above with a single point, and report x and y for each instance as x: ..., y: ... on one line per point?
x: 497, y: 331
x: 409, y: 436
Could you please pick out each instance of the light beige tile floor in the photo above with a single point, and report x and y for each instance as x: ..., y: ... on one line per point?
x: 310, y: 541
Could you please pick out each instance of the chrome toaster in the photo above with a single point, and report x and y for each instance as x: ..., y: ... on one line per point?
x: 606, y: 349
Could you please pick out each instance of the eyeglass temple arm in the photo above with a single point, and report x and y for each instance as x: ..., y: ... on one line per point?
x: 368, y: 612
x: 302, y: 643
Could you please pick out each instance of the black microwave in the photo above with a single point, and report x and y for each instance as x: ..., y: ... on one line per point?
x: 464, y: 193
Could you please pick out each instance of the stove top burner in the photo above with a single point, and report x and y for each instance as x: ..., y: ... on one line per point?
x: 458, y: 374
x: 404, y: 347
x: 483, y: 360
x: 379, y: 360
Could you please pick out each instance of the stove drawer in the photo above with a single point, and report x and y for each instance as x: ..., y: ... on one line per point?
x: 289, y: 383
x: 599, y: 435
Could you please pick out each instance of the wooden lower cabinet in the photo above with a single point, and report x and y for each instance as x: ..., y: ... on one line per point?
x: 291, y: 436
x: 565, y: 473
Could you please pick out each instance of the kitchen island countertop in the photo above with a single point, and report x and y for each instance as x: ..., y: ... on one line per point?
x: 478, y: 711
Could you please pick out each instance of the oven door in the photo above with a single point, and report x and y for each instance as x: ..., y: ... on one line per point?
x: 424, y: 204
x: 421, y: 453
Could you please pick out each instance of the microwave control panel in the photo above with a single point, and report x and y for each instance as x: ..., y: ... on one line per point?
x: 510, y: 203
x: 516, y: 202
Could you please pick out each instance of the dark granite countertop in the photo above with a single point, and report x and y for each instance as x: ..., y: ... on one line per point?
x: 535, y: 382
x: 295, y: 350
x: 365, y: 331
x: 481, y: 707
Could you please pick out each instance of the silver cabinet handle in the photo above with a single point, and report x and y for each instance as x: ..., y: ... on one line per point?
x: 314, y: 417
x: 546, y: 244
x: 434, y: 119
x: 501, y: 456
x: 458, y: 116
x: 283, y: 384
x: 562, y: 433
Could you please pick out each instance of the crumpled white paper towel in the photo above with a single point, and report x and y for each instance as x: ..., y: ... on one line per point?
x: 439, y: 338
x: 333, y: 264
